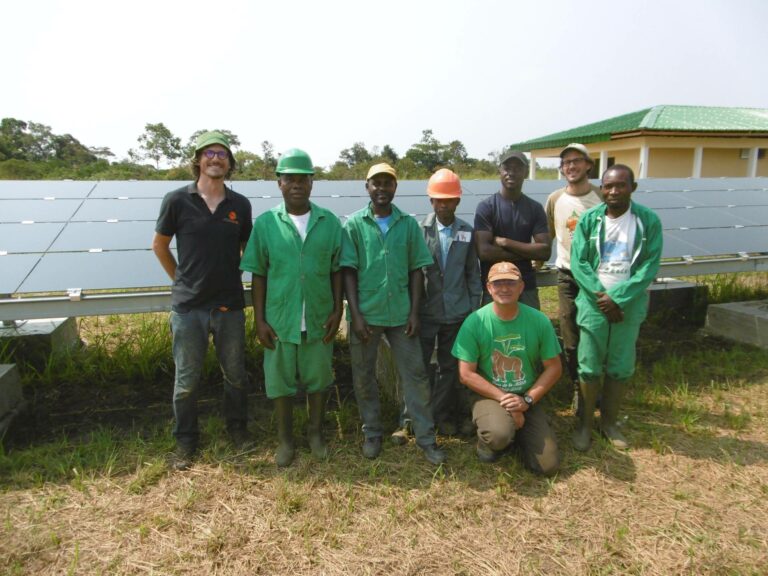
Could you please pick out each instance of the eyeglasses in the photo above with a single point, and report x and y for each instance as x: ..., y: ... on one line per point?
x: 504, y: 283
x: 211, y: 154
x: 573, y: 162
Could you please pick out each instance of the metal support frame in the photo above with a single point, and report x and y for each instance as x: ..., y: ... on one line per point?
x: 78, y: 304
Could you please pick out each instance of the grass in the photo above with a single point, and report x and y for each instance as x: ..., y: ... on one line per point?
x: 84, y: 489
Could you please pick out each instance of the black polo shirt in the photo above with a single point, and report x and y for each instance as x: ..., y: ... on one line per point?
x: 208, y: 245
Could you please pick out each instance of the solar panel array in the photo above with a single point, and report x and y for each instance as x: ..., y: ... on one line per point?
x: 96, y: 235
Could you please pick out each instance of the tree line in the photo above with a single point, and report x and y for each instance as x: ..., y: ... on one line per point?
x: 31, y: 151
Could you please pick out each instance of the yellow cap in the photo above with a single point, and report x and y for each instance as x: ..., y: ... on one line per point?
x: 382, y: 168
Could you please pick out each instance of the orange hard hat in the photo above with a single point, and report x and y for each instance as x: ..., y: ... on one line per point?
x: 444, y: 184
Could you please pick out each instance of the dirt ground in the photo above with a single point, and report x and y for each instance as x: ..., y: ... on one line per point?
x: 690, y: 497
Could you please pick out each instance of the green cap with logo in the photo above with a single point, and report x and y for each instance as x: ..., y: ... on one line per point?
x: 212, y: 137
x: 295, y: 161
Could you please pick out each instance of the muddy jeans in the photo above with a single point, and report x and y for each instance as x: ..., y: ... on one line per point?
x: 406, y: 352
x: 190, y: 344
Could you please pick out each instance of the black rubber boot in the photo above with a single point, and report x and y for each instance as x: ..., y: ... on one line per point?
x: 613, y: 392
x: 284, y: 416
x: 582, y: 436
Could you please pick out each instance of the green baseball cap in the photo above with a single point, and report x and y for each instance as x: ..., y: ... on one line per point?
x: 209, y: 138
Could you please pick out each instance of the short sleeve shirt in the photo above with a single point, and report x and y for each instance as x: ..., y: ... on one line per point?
x: 298, y: 272
x: 507, y: 351
x: 520, y: 221
x: 208, y: 272
x: 384, y: 263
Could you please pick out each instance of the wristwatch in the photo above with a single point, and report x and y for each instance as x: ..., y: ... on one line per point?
x: 528, y: 400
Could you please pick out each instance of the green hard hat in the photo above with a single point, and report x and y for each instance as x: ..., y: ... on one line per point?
x: 213, y: 137
x: 295, y: 161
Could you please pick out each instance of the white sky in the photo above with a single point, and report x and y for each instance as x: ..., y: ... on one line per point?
x: 321, y: 75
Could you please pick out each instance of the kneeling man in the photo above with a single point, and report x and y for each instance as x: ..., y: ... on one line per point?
x: 498, y: 348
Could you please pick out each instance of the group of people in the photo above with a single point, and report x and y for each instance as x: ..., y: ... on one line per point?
x: 465, y: 295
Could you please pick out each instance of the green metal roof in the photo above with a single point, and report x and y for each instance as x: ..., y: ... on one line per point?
x: 658, y: 118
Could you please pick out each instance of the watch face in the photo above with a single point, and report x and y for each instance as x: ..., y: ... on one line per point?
x: 528, y: 400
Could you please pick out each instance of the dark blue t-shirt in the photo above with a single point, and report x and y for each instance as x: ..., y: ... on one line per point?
x: 520, y: 221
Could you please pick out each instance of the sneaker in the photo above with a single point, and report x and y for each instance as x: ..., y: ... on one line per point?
x: 400, y: 436
x: 240, y: 439
x: 433, y: 454
x: 485, y: 454
x: 372, y: 447
x: 183, y: 457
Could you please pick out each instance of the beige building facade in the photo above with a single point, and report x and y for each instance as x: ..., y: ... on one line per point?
x: 676, y: 156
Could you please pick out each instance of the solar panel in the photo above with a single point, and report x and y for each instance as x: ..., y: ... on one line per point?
x: 106, y: 209
x: 87, y: 236
x: 15, y: 268
x: 95, y: 271
x: 41, y: 189
x: 21, y: 238
x: 18, y: 211
x: 97, y: 235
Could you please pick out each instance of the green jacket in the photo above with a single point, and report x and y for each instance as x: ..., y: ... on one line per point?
x: 383, y: 264
x: 298, y: 272
x: 586, y: 249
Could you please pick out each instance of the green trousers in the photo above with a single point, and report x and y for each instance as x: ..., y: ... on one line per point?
x: 606, y: 348
x: 308, y: 363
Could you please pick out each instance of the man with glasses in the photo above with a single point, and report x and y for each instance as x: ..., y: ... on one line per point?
x: 499, y: 348
x: 563, y: 208
x: 211, y: 224
x: 510, y: 226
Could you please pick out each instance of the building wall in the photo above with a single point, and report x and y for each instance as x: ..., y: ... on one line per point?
x: 670, y: 162
x: 672, y: 156
x: 719, y: 162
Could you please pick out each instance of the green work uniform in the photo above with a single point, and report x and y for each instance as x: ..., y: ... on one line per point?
x: 298, y: 277
x: 384, y: 263
x: 604, y: 346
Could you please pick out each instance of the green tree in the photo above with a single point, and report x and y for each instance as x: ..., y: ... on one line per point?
x: 428, y: 153
x: 158, y: 143
x: 270, y: 160
x: 355, y: 155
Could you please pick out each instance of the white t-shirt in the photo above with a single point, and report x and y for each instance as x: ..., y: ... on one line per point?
x: 567, y: 210
x: 301, y: 225
x: 616, y: 252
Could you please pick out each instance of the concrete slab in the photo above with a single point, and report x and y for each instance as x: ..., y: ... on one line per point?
x: 745, y: 322
x: 35, y: 340
x: 678, y: 300
x: 11, y: 396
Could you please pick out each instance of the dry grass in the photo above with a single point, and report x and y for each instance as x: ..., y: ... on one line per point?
x: 679, y: 503
x: 691, y: 497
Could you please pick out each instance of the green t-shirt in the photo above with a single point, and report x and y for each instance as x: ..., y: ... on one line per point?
x: 507, y: 351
